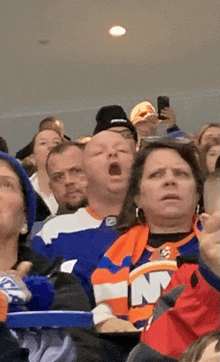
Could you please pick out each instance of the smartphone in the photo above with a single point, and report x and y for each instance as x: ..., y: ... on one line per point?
x: 162, y: 102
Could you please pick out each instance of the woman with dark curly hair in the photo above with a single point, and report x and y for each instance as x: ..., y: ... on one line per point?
x: 159, y: 222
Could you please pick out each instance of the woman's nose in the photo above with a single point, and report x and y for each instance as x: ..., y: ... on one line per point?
x: 169, y: 177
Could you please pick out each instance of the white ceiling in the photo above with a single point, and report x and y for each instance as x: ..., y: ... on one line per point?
x: 173, y: 42
x: 170, y: 46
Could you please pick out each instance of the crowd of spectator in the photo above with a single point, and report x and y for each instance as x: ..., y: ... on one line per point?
x: 122, y: 223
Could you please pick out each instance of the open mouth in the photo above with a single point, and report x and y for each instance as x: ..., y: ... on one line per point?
x: 114, y: 169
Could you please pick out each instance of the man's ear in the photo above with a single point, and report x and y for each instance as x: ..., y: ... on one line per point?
x: 32, y: 158
x: 204, y: 218
x: 50, y: 184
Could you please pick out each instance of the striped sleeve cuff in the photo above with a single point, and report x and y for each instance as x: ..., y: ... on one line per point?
x: 102, y: 313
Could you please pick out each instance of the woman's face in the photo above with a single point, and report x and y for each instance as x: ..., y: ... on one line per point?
x: 12, y: 208
x: 210, y: 134
x: 44, y: 142
x: 211, y: 157
x: 168, y: 188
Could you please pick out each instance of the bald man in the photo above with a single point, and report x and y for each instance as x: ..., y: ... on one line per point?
x: 83, y: 237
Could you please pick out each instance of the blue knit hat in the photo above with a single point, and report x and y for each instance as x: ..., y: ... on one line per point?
x: 28, y: 191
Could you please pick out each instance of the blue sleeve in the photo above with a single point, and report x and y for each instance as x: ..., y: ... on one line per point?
x: 174, y: 131
x: 38, y: 245
x: 208, y: 275
x: 42, y: 292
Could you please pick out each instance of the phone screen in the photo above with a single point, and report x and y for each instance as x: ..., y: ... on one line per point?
x: 162, y: 102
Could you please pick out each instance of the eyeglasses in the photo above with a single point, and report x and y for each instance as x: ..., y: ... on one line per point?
x: 151, y: 139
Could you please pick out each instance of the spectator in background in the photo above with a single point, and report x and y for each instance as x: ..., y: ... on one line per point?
x: 47, y: 123
x: 211, y: 157
x: 67, y: 180
x: 114, y: 118
x: 66, y: 177
x: 208, y: 155
x: 54, y: 124
x: 209, y: 132
x: 42, y: 143
x: 3, y: 145
x: 145, y: 119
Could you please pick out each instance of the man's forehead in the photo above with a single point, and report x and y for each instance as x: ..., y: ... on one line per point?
x: 105, y: 137
x: 71, y: 156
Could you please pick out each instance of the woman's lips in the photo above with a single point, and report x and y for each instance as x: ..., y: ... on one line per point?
x: 170, y: 197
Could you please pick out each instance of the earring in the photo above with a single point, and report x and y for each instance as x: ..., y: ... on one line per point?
x: 197, y: 209
x: 137, y: 212
x: 24, y: 229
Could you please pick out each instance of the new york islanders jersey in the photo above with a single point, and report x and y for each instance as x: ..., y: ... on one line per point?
x: 132, y: 274
x: 81, y: 239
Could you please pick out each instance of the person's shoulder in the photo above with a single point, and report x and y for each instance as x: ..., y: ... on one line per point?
x: 67, y: 224
x: 77, y: 220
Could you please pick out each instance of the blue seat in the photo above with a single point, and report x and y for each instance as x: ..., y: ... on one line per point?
x: 51, y: 319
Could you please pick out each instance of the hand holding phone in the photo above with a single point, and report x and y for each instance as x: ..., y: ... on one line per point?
x: 162, y: 102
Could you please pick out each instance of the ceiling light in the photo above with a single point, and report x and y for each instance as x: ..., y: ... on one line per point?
x: 117, y: 31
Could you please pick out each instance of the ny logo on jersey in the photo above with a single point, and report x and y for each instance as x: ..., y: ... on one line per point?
x: 150, y: 290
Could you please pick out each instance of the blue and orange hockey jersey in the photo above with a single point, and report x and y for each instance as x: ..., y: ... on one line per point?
x: 132, y: 274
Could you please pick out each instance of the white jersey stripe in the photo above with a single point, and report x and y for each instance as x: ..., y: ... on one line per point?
x: 107, y: 291
x: 68, y: 223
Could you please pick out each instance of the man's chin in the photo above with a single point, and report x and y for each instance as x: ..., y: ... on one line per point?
x: 76, y: 204
x: 71, y: 207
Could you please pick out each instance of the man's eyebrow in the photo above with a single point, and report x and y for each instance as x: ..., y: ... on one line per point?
x: 57, y: 173
x: 75, y: 167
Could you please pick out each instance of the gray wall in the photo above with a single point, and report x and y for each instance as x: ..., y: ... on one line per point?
x: 19, y: 123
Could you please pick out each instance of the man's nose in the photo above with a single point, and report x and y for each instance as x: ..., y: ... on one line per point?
x: 113, y: 153
x: 68, y: 179
x: 49, y: 146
